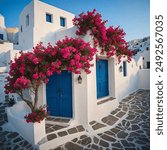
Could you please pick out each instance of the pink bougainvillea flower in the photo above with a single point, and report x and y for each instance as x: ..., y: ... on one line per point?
x: 35, y: 61
x: 35, y: 76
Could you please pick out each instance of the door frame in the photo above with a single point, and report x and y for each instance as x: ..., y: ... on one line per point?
x: 72, y: 97
x: 111, y: 77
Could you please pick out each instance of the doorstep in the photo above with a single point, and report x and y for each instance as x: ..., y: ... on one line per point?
x: 56, y: 123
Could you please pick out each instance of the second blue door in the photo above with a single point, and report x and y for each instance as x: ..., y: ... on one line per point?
x: 59, y: 94
x: 102, y: 78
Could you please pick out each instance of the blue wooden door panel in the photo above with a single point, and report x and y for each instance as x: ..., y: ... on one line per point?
x: 66, y: 94
x: 59, y: 94
x: 102, y: 78
x: 52, y: 96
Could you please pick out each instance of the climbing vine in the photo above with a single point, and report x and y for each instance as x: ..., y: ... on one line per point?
x: 110, y: 40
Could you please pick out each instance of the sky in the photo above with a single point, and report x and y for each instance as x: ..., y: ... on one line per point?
x: 131, y: 15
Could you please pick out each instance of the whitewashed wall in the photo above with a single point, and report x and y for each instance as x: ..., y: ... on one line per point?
x: 32, y: 132
x: 5, y: 47
x: 84, y: 95
x: 39, y: 30
x: 2, y: 21
x: 45, y: 30
x: 26, y: 36
x: 144, y: 79
x: 128, y: 84
x: 145, y: 54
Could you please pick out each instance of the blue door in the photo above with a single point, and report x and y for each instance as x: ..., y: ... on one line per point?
x: 59, y: 94
x: 102, y: 78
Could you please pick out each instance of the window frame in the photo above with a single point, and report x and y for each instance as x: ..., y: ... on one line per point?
x: 64, y: 19
x: 27, y: 20
x: 2, y: 36
x: 21, y: 28
x: 148, y: 64
x: 50, y: 19
x: 124, y: 68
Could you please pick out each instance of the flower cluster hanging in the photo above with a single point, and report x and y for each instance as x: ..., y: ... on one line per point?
x: 110, y: 40
x: 37, y: 115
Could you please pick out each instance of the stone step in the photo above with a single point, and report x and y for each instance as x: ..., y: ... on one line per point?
x: 60, y: 137
x: 58, y: 121
x: 53, y: 127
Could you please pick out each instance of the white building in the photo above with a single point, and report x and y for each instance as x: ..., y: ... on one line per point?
x: 142, y: 47
x: 40, y: 21
x: 100, y: 92
x: 5, y: 46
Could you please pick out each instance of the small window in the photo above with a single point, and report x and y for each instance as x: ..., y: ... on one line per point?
x: 1, y: 36
x: 124, y: 69
x: 62, y: 22
x: 148, y: 65
x: 49, y: 18
x: 21, y: 29
x: 27, y: 20
x: 147, y: 48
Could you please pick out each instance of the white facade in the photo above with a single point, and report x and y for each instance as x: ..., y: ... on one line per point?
x: 12, y: 35
x: 2, y: 21
x: 5, y: 47
x: 8, y: 37
x: 143, y: 48
x: 85, y: 102
x: 146, y: 58
x: 3, y: 34
x: 33, y: 23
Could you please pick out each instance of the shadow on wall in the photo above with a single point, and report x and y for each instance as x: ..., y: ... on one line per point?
x: 53, y: 37
x: 132, y: 82
x: 129, y: 86
x: 3, y: 59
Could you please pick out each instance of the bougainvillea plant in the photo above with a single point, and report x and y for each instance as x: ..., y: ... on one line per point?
x: 110, y: 40
x: 31, y: 69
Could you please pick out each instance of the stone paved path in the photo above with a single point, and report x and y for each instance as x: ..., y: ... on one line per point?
x: 11, y: 140
x: 132, y: 133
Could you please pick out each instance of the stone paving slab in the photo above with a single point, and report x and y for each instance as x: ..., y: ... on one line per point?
x: 132, y: 133
x: 51, y: 128
x: 58, y: 134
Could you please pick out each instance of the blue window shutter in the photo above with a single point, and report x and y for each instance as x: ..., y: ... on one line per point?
x: 62, y: 22
x: 48, y: 18
x: 124, y: 69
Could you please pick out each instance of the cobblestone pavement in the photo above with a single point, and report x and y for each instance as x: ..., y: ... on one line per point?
x: 11, y: 140
x: 126, y: 128
x: 132, y: 133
